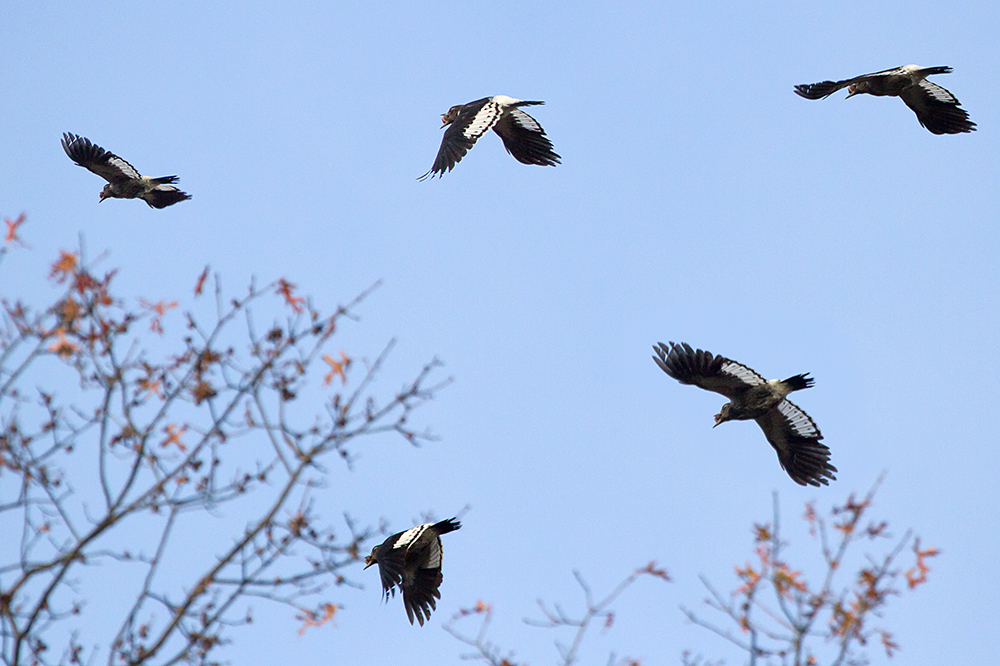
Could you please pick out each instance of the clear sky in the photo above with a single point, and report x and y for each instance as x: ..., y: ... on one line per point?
x: 699, y: 200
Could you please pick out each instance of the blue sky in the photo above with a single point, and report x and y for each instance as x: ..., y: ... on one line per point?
x: 699, y: 200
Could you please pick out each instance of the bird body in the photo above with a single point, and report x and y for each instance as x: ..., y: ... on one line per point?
x: 411, y: 560
x: 790, y: 431
x: 522, y: 135
x: 124, y: 181
x: 760, y: 399
x: 936, y: 108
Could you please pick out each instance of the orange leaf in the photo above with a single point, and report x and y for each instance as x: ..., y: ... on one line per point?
x: 918, y: 573
x: 285, y: 289
x: 761, y: 532
x: 889, y: 644
x: 311, y: 619
x: 750, y: 576
x: 652, y: 570
x: 151, y: 385
x: 174, y: 436
x: 160, y: 307
x: 201, y: 281
x: 12, y: 226
x: 785, y: 580
x: 64, y: 267
x: 337, y: 367
x: 63, y: 346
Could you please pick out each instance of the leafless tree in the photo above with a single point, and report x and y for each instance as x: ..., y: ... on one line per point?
x: 777, y: 616
x: 554, y: 618
x: 125, y: 428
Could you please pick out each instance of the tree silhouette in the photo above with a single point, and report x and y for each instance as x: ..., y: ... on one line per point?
x: 118, y: 441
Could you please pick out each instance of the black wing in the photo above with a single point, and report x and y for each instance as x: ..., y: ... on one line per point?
x: 420, y: 588
x: 827, y: 88
x: 390, y: 569
x: 795, y: 438
x: 525, y: 139
x: 937, y: 109
x: 92, y: 157
x: 420, y: 592
x: 703, y: 369
x: 474, y: 120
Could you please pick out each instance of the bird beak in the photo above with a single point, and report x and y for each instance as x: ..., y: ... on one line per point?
x: 444, y: 122
x: 368, y: 562
x: 718, y: 419
x: 851, y: 94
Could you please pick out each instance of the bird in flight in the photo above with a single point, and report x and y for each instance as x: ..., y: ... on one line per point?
x: 791, y: 431
x: 124, y: 181
x: 411, y: 560
x: 936, y: 108
x: 522, y: 136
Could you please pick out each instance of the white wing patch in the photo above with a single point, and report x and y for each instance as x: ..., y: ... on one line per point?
x: 799, y: 422
x: 434, y: 555
x: 742, y: 373
x: 504, y: 100
x: 410, y: 535
x: 484, y: 121
x: 936, y: 92
x: 526, y: 121
x: 127, y: 169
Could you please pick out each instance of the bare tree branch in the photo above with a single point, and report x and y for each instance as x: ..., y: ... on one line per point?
x: 840, y: 615
x: 207, y: 424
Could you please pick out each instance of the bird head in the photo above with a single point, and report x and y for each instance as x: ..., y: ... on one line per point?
x: 723, y: 414
x: 106, y: 192
x: 372, y: 559
x: 449, y: 118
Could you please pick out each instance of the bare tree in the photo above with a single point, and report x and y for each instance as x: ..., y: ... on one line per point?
x: 779, y: 617
x: 111, y: 452
x: 554, y: 618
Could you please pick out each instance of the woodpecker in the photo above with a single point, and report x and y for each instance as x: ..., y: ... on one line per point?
x: 936, y: 108
x: 522, y: 136
x: 412, y: 560
x: 791, y: 431
x: 124, y: 181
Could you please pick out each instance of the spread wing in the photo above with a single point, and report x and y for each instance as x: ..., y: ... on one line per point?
x: 702, y: 368
x: 92, y: 157
x: 474, y: 120
x: 937, y: 109
x: 390, y: 569
x: 795, y: 438
x: 525, y: 139
x: 420, y: 591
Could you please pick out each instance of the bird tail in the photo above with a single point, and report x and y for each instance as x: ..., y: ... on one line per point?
x: 930, y: 71
x: 817, y: 90
x: 446, y: 526
x: 798, y: 382
x: 162, y: 196
x: 163, y: 180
